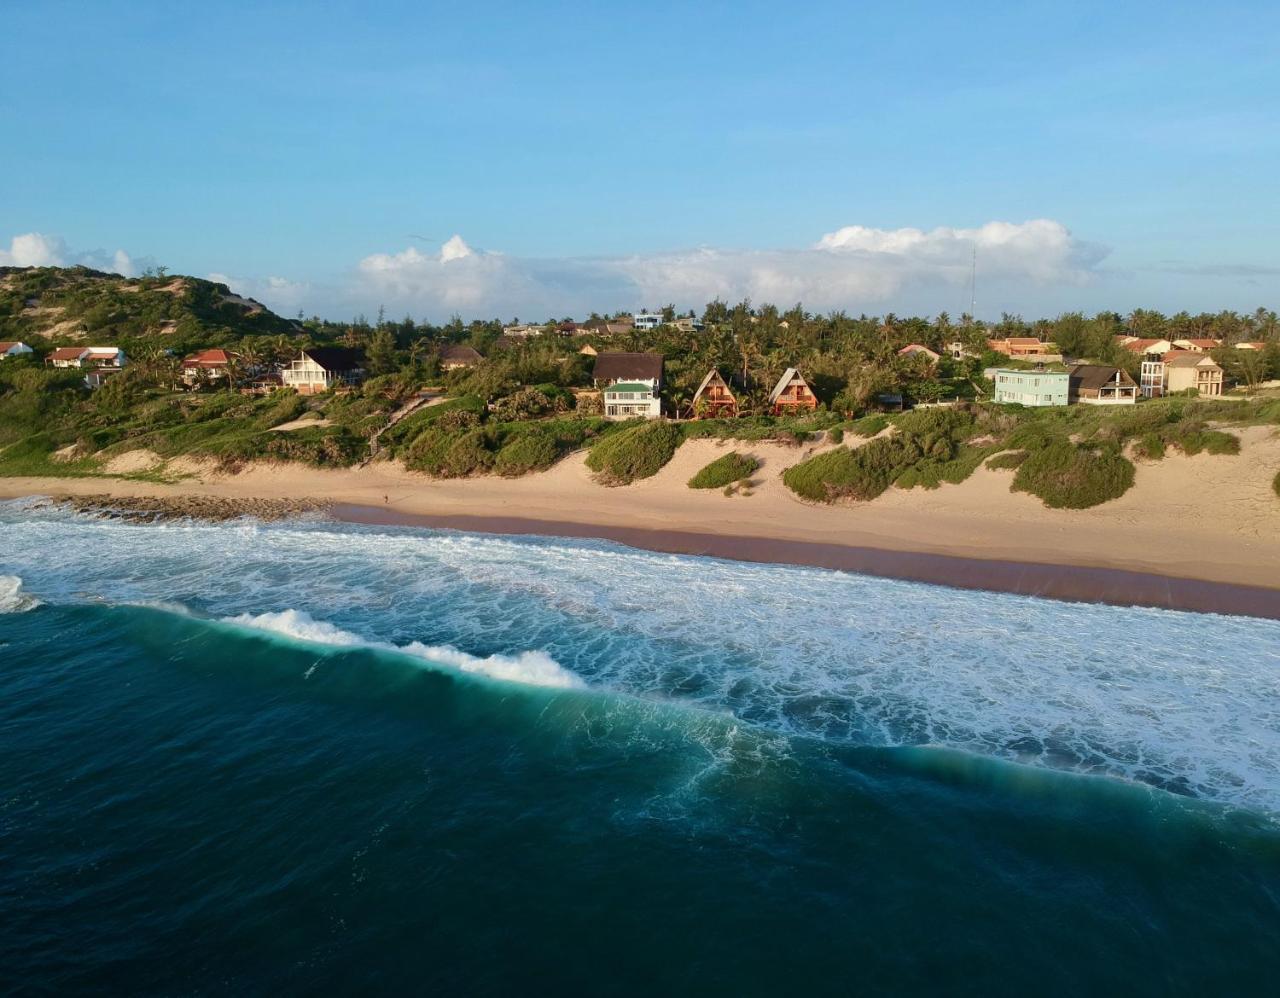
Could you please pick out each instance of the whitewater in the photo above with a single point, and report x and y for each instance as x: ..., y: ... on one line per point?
x: 1183, y: 702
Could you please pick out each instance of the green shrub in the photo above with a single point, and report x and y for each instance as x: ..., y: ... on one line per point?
x: 1150, y: 447
x: 1068, y: 476
x: 635, y: 452
x: 403, y: 434
x: 1007, y: 460
x: 526, y: 452
x: 869, y: 426
x: 835, y: 435
x: 1213, y: 441
x: 1275, y: 483
x: 732, y: 467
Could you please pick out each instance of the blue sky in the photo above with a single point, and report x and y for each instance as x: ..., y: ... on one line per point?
x: 620, y: 155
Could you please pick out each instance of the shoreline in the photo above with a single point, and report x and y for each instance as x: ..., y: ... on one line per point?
x: 1196, y: 533
x: 1064, y: 582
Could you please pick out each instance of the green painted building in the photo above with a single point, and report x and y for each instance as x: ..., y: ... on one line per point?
x: 1031, y: 387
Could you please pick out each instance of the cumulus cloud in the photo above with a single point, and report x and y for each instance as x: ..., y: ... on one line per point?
x: 35, y: 249
x: 852, y: 267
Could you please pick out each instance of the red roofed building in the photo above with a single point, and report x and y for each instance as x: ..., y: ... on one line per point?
x: 919, y: 349
x: 207, y: 364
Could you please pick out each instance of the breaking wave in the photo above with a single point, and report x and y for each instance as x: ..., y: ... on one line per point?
x: 533, y: 668
x: 1186, y: 702
x: 12, y: 598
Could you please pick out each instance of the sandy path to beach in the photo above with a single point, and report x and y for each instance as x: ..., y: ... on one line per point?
x: 1205, y: 517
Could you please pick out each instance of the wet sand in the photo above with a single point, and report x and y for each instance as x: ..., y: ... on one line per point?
x: 1114, y: 586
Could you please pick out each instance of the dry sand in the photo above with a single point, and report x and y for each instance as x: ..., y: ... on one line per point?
x: 1205, y: 518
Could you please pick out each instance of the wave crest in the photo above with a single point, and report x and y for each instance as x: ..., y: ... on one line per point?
x: 12, y: 598
x: 534, y: 668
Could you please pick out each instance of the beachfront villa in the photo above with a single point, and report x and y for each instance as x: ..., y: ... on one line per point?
x: 455, y: 356
x: 112, y: 357
x: 1022, y: 346
x: 523, y: 330
x: 207, y: 365
x: 920, y: 350
x: 13, y: 348
x: 792, y: 394
x: 320, y: 369
x: 1179, y: 371
x: 713, y: 399
x: 647, y: 320
x: 1031, y: 388
x: 687, y: 324
x: 1197, y: 346
x: 1144, y: 346
x: 1187, y: 370
x: 632, y: 384
x: 1097, y: 384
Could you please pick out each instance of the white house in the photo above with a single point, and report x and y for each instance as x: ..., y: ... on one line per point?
x: 112, y: 357
x: 632, y: 384
x: 322, y: 368
x: 647, y: 320
x: 13, y: 348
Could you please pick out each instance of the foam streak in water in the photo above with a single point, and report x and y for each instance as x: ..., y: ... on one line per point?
x: 534, y: 668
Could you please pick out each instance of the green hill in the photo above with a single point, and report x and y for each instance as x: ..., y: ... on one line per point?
x: 63, y: 305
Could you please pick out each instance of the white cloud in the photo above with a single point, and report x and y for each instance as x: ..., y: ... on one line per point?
x: 35, y: 249
x: 852, y: 267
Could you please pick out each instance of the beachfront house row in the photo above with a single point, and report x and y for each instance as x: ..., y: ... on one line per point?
x: 714, y: 399
x: 112, y: 357
x: 207, y: 365
x: 1031, y: 388
x: 320, y: 369
x: 13, y: 348
x: 792, y: 394
x: 455, y: 356
x: 1097, y: 384
x: 631, y: 382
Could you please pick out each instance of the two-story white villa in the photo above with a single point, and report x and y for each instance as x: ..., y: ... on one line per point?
x: 647, y: 320
x: 632, y: 384
x: 1037, y: 388
x: 321, y: 368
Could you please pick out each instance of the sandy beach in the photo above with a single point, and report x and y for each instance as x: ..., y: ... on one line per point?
x: 1207, y: 518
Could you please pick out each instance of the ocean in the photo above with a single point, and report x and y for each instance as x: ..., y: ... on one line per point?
x: 310, y: 756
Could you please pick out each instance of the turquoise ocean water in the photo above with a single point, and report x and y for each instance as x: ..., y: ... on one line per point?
x: 314, y: 757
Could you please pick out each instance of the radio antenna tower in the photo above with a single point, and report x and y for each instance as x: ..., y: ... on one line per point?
x: 973, y: 286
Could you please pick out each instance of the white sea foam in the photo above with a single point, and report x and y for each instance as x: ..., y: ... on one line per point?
x: 534, y: 668
x: 1186, y: 701
x: 12, y: 598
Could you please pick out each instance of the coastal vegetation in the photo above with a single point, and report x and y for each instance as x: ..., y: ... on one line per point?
x: 527, y: 403
x: 724, y: 471
x: 637, y: 451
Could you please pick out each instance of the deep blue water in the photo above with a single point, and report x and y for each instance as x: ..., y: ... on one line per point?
x: 313, y: 757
